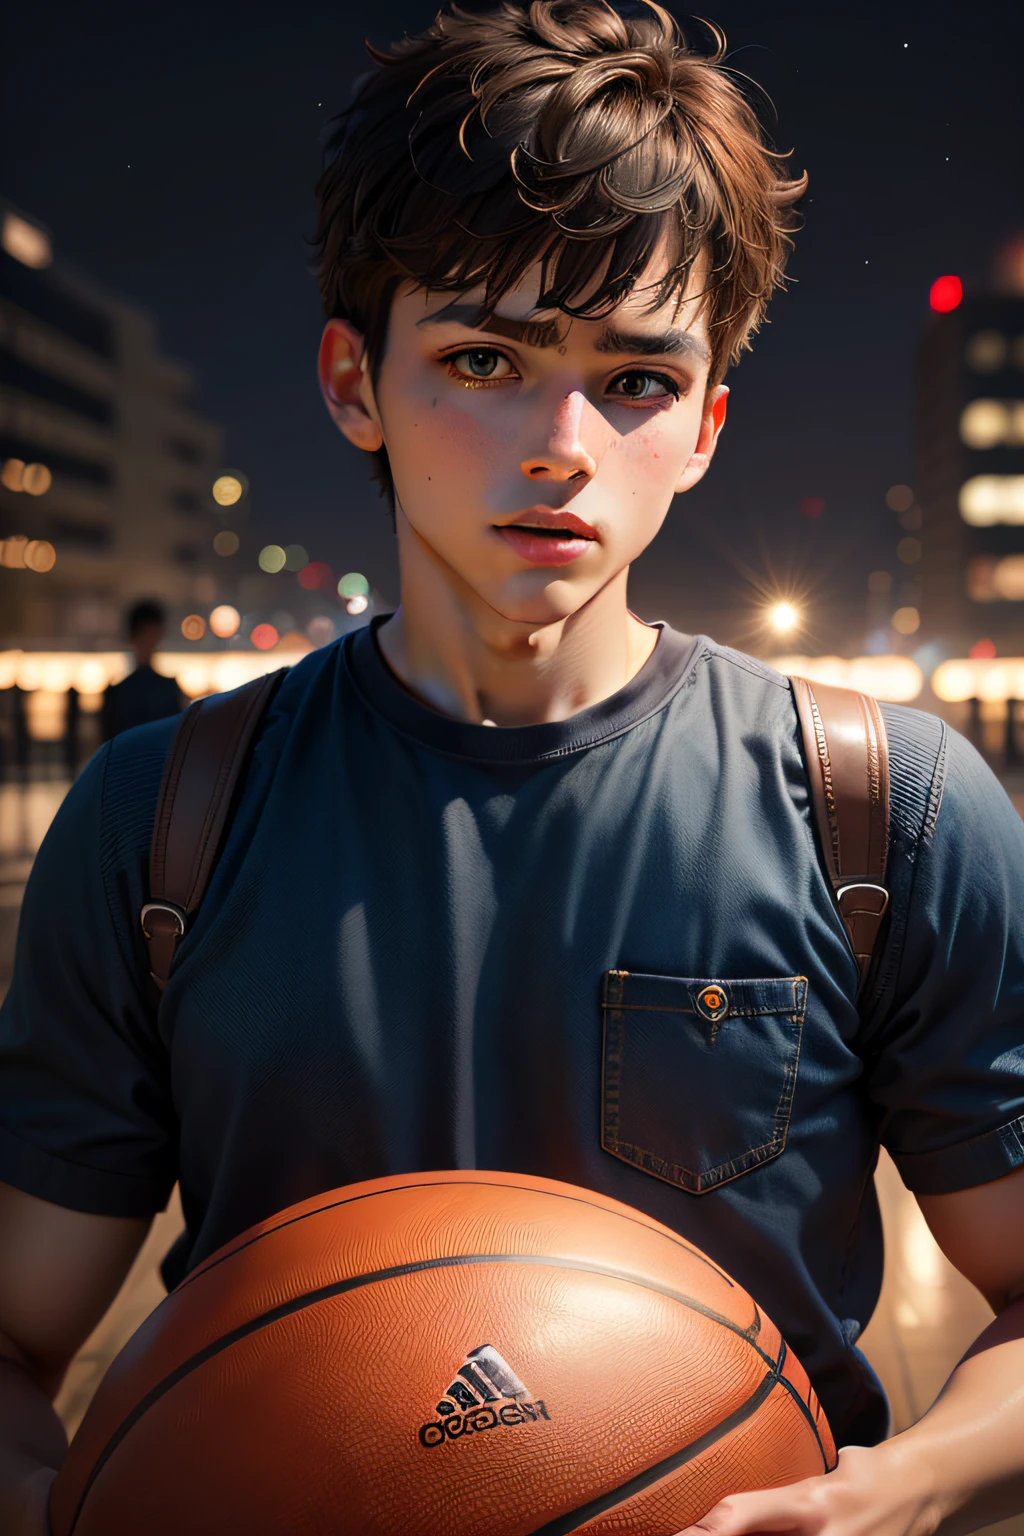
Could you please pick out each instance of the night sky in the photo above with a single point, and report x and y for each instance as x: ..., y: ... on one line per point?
x: 172, y: 151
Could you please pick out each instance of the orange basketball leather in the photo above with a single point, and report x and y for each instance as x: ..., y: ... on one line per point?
x: 426, y: 1354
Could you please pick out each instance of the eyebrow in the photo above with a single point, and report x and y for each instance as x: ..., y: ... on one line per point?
x: 548, y: 333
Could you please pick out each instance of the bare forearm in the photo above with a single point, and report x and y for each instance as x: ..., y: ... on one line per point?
x: 32, y: 1446
x: 969, y: 1447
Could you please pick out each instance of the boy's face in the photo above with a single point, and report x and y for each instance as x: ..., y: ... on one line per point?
x: 534, y: 457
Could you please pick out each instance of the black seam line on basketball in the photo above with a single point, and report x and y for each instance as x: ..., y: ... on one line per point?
x: 674, y: 1238
x: 803, y: 1405
x: 564, y: 1524
x: 356, y: 1282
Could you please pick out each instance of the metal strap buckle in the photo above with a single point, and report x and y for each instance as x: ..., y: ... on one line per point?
x: 864, y: 885
x: 163, y: 906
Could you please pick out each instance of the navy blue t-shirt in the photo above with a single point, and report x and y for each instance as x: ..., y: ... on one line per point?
x: 430, y: 944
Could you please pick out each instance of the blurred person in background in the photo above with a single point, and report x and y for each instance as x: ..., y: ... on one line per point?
x: 144, y: 695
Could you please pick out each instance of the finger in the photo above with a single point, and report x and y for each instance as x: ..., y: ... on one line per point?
x: 749, y: 1514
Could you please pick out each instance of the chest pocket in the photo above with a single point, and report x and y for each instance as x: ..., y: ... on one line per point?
x: 699, y: 1073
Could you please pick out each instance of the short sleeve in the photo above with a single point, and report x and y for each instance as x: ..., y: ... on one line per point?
x: 946, y: 1069
x: 86, y: 1119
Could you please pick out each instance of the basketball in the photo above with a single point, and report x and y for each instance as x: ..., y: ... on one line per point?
x: 436, y: 1353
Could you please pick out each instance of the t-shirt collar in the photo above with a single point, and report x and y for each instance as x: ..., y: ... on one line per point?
x: 663, y: 673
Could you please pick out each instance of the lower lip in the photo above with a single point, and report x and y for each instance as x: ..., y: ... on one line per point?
x: 542, y: 549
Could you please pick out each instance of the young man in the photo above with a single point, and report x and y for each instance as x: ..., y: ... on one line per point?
x: 544, y: 234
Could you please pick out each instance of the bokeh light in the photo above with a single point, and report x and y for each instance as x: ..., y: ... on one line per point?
x: 1008, y: 578
x: 316, y: 576
x: 12, y: 474
x: 12, y: 552
x: 321, y: 630
x: 906, y: 621
x: 899, y: 497
x: 40, y: 556
x: 908, y: 551
x: 36, y: 480
x: 982, y: 650
x: 784, y: 618
x: 880, y: 581
x: 193, y: 627
x: 813, y: 506
x: 227, y: 489
x: 353, y: 585
x: 26, y: 242
x: 989, y: 499
x: 226, y: 542
x: 264, y: 637
x: 358, y: 604
x: 945, y: 294
x: 896, y: 678
x: 295, y: 557
x: 986, y: 351
x: 271, y: 559
x: 224, y: 621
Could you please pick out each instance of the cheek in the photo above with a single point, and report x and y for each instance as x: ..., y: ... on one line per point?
x: 657, y: 452
x: 441, y: 434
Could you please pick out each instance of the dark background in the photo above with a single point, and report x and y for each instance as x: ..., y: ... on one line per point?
x: 173, y: 151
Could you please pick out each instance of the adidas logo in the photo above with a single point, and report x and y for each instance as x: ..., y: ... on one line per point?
x: 486, y: 1394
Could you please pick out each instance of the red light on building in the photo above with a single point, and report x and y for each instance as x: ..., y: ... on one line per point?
x: 982, y: 650
x: 945, y: 294
x: 812, y: 506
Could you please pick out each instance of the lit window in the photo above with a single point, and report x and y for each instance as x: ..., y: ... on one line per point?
x: 13, y: 475
x: 989, y: 423
x: 40, y: 556
x: 989, y: 499
x: 25, y: 242
x: 984, y: 423
x: 986, y: 351
x: 36, y: 480
x: 980, y: 583
x: 1008, y: 578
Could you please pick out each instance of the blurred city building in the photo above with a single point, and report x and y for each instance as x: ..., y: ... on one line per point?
x: 106, y: 469
x: 970, y: 464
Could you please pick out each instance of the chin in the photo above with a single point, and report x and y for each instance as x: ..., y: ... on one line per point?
x: 555, y: 603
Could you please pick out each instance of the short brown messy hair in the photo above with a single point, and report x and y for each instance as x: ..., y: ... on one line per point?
x: 580, y: 133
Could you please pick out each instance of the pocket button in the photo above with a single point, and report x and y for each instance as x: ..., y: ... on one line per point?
x: 713, y: 1002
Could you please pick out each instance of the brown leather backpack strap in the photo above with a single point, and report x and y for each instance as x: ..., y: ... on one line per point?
x: 847, y: 754
x: 199, y: 778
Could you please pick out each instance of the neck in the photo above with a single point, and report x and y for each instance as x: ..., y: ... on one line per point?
x: 464, y: 659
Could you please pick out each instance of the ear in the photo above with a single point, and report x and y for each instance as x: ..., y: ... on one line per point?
x: 346, y: 386
x: 711, y: 423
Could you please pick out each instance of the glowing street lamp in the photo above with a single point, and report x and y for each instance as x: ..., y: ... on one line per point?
x: 784, y: 618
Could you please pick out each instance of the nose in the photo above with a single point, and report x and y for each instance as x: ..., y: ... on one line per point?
x: 566, y: 456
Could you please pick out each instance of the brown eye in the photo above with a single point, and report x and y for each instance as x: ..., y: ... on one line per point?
x: 638, y: 384
x: 635, y: 384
